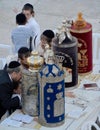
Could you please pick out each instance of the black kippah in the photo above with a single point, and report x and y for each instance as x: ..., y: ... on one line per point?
x: 13, y: 64
x: 48, y: 34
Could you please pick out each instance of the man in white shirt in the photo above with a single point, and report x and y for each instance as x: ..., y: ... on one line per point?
x: 21, y: 34
x: 28, y: 10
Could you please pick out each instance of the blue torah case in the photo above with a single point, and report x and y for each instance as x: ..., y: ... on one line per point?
x: 51, y: 96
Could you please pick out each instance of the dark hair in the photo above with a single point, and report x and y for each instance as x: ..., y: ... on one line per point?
x: 49, y: 35
x: 23, y: 51
x: 16, y: 84
x: 21, y: 19
x: 28, y: 6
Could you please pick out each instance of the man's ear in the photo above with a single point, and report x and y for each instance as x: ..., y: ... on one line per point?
x: 14, y: 73
x: 20, y: 59
x: 33, y: 13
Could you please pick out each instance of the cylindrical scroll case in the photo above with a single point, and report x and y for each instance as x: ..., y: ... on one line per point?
x: 66, y: 53
x: 82, y: 30
x: 84, y: 49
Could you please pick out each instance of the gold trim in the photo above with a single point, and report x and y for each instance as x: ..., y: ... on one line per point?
x: 81, y: 31
x: 80, y: 23
x: 85, y: 74
x: 52, y: 79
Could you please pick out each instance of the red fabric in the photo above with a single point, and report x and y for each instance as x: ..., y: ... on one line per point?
x: 84, y: 48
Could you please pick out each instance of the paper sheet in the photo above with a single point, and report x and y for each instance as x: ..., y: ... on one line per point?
x: 10, y: 122
x: 22, y: 117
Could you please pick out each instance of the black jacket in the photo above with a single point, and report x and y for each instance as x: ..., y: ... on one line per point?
x: 6, y: 91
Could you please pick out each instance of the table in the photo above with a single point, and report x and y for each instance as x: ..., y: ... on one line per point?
x: 86, y: 101
x: 91, y: 112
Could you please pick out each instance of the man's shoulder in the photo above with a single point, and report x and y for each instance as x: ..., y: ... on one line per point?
x: 15, y: 30
x: 3, y: 76
x: 21, y: 27
x: 18, y: 30
x: 2, y: 72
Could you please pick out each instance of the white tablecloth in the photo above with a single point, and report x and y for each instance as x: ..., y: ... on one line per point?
x: 86, y: 104
x: 90, y: 112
